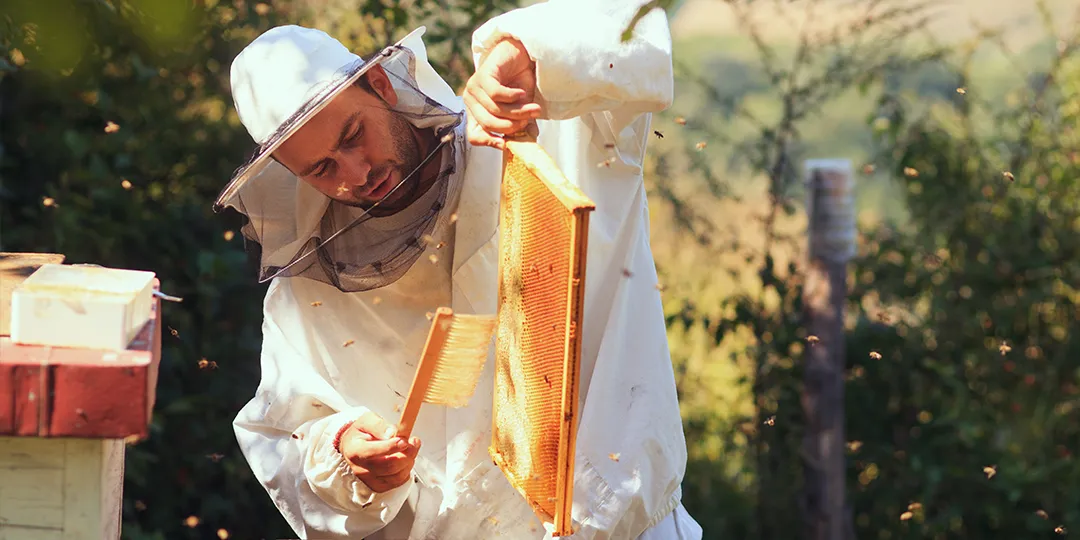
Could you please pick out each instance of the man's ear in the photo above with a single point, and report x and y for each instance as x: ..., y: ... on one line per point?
x: 380, y: 83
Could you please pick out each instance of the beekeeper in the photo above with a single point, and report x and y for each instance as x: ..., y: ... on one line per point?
x: 373, y: 198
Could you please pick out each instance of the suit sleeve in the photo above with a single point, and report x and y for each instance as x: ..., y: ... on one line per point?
x: 287, y: 433
x: 582, y: 66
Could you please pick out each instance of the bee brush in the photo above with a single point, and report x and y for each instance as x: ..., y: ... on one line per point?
x: 450, y: 366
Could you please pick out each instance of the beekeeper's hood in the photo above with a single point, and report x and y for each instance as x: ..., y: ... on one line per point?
x: 279, y: 82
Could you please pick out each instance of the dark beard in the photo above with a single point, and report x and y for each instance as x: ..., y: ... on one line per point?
x: 407, y: 162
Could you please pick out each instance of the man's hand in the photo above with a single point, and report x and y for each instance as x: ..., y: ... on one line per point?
x: 381, y: 460
x: 499, y: 96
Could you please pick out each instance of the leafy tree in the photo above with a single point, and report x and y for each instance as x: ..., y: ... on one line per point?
x: 962, y: 378
x: 117, y: 132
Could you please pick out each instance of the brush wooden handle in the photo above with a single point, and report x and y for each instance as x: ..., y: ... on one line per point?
x: 436, y: 340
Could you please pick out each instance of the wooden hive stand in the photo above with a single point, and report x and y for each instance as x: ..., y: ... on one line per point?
x: 65, y: 416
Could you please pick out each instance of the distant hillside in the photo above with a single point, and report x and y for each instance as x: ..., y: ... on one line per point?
x: 952, y: 21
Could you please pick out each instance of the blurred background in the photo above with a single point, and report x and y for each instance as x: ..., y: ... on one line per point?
x: 962, y: 360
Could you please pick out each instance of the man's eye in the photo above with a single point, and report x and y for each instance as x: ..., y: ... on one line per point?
x: 321, y: 171
x: 356, y: 134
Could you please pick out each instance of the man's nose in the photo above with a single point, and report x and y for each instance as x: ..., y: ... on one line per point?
x: 354, y: 168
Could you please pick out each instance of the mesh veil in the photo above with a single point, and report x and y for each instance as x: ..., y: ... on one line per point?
x: 298, y: 231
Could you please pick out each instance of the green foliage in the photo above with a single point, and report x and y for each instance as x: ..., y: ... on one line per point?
x: 139, y: 197
x: 961, y: 382
x: 979, y: 357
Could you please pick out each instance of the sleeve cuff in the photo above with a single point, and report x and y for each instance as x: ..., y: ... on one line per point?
x: 329, y: 475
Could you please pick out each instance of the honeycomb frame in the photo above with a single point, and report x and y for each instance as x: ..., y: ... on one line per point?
x: 544, y: 224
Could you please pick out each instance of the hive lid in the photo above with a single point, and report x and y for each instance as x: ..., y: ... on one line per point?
x: 89, y: 280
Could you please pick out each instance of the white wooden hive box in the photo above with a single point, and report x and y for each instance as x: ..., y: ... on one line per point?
x: 81, y: 306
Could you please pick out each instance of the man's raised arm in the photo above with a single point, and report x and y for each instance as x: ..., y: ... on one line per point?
x: 581, y: 64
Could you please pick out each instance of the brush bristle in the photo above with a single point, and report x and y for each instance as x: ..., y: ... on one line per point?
x: 461, y: 361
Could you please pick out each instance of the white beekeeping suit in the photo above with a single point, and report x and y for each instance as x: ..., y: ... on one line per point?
x: 598, y: 95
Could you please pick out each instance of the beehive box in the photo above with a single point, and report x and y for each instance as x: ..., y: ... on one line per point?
x: 64, y: 416
x: 83, y: 306
x: 62, y: 489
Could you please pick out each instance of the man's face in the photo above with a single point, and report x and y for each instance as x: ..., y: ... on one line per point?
x: 356, y: 149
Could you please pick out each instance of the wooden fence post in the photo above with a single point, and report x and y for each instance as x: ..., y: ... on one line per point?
x: 831, y: 229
